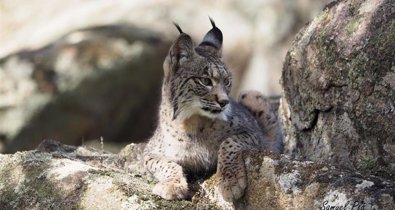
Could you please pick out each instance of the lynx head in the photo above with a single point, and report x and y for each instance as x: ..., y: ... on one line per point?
x: 195, y: 78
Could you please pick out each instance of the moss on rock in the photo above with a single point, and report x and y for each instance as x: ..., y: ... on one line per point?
x: 335, y: 81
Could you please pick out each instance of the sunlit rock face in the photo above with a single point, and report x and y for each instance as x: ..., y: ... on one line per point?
x: 57, y: 176
x: 338, y: 81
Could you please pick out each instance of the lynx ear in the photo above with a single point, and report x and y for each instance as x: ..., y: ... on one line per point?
x: 180, y: 51
x: 212, y: 41
x: 182, y: 48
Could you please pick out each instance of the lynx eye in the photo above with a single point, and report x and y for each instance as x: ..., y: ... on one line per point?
x: 205, y: 81
x: 227, y: 81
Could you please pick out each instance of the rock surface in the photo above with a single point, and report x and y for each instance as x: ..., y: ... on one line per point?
x: 65, y: 177
x: 339, y: 87
x: 277, y: 182
x: 57, y: 176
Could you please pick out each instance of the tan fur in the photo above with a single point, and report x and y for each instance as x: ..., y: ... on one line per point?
x: 201, y: 129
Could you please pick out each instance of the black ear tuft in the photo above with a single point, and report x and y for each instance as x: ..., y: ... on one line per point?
x: 178, y: 28
x: 212, y: 22
x: 213, y: 39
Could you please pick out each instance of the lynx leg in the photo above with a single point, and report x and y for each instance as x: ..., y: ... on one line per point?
x: 231, y: 169
x: 172, y: 182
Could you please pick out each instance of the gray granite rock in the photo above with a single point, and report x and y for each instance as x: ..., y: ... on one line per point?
x: 338, y: 81
x: 95, y: 82
x: 57, y: 176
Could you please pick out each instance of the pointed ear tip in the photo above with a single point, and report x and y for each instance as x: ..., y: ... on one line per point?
x: 178, y: 27
x: 212, y: 22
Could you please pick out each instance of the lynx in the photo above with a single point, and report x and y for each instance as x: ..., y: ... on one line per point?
x: 201, y: 128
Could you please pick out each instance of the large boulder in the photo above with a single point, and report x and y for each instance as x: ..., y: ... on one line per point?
x: 91, y: 83
x: 339, y: 86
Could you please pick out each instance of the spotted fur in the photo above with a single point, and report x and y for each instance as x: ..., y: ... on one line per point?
x: 201, y: 129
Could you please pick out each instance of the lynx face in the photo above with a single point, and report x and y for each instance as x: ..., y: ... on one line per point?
x: 198, y: 79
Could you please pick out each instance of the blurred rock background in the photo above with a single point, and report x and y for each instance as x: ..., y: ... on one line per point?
x: 78, y: 70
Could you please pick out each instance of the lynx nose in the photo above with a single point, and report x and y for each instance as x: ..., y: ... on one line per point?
x: 223, y: 102
x: 221, y: 97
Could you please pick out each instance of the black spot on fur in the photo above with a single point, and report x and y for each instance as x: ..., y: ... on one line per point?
x: 260, y: 114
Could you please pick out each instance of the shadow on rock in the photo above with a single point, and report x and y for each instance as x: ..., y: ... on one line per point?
x: 101, y: 81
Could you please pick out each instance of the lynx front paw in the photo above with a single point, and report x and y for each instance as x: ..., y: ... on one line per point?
x: 172, y: 189
x: 232, y: 184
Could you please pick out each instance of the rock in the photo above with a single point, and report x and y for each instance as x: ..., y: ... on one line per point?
x: 90, y: 83
x: 338, y: 81
x: 278, y: 182
x: 65, y: 177
x: 56, y: 176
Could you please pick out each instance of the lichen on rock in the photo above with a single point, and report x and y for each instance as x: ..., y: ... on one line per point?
x: 337, y: 81
x: 57, y: 176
